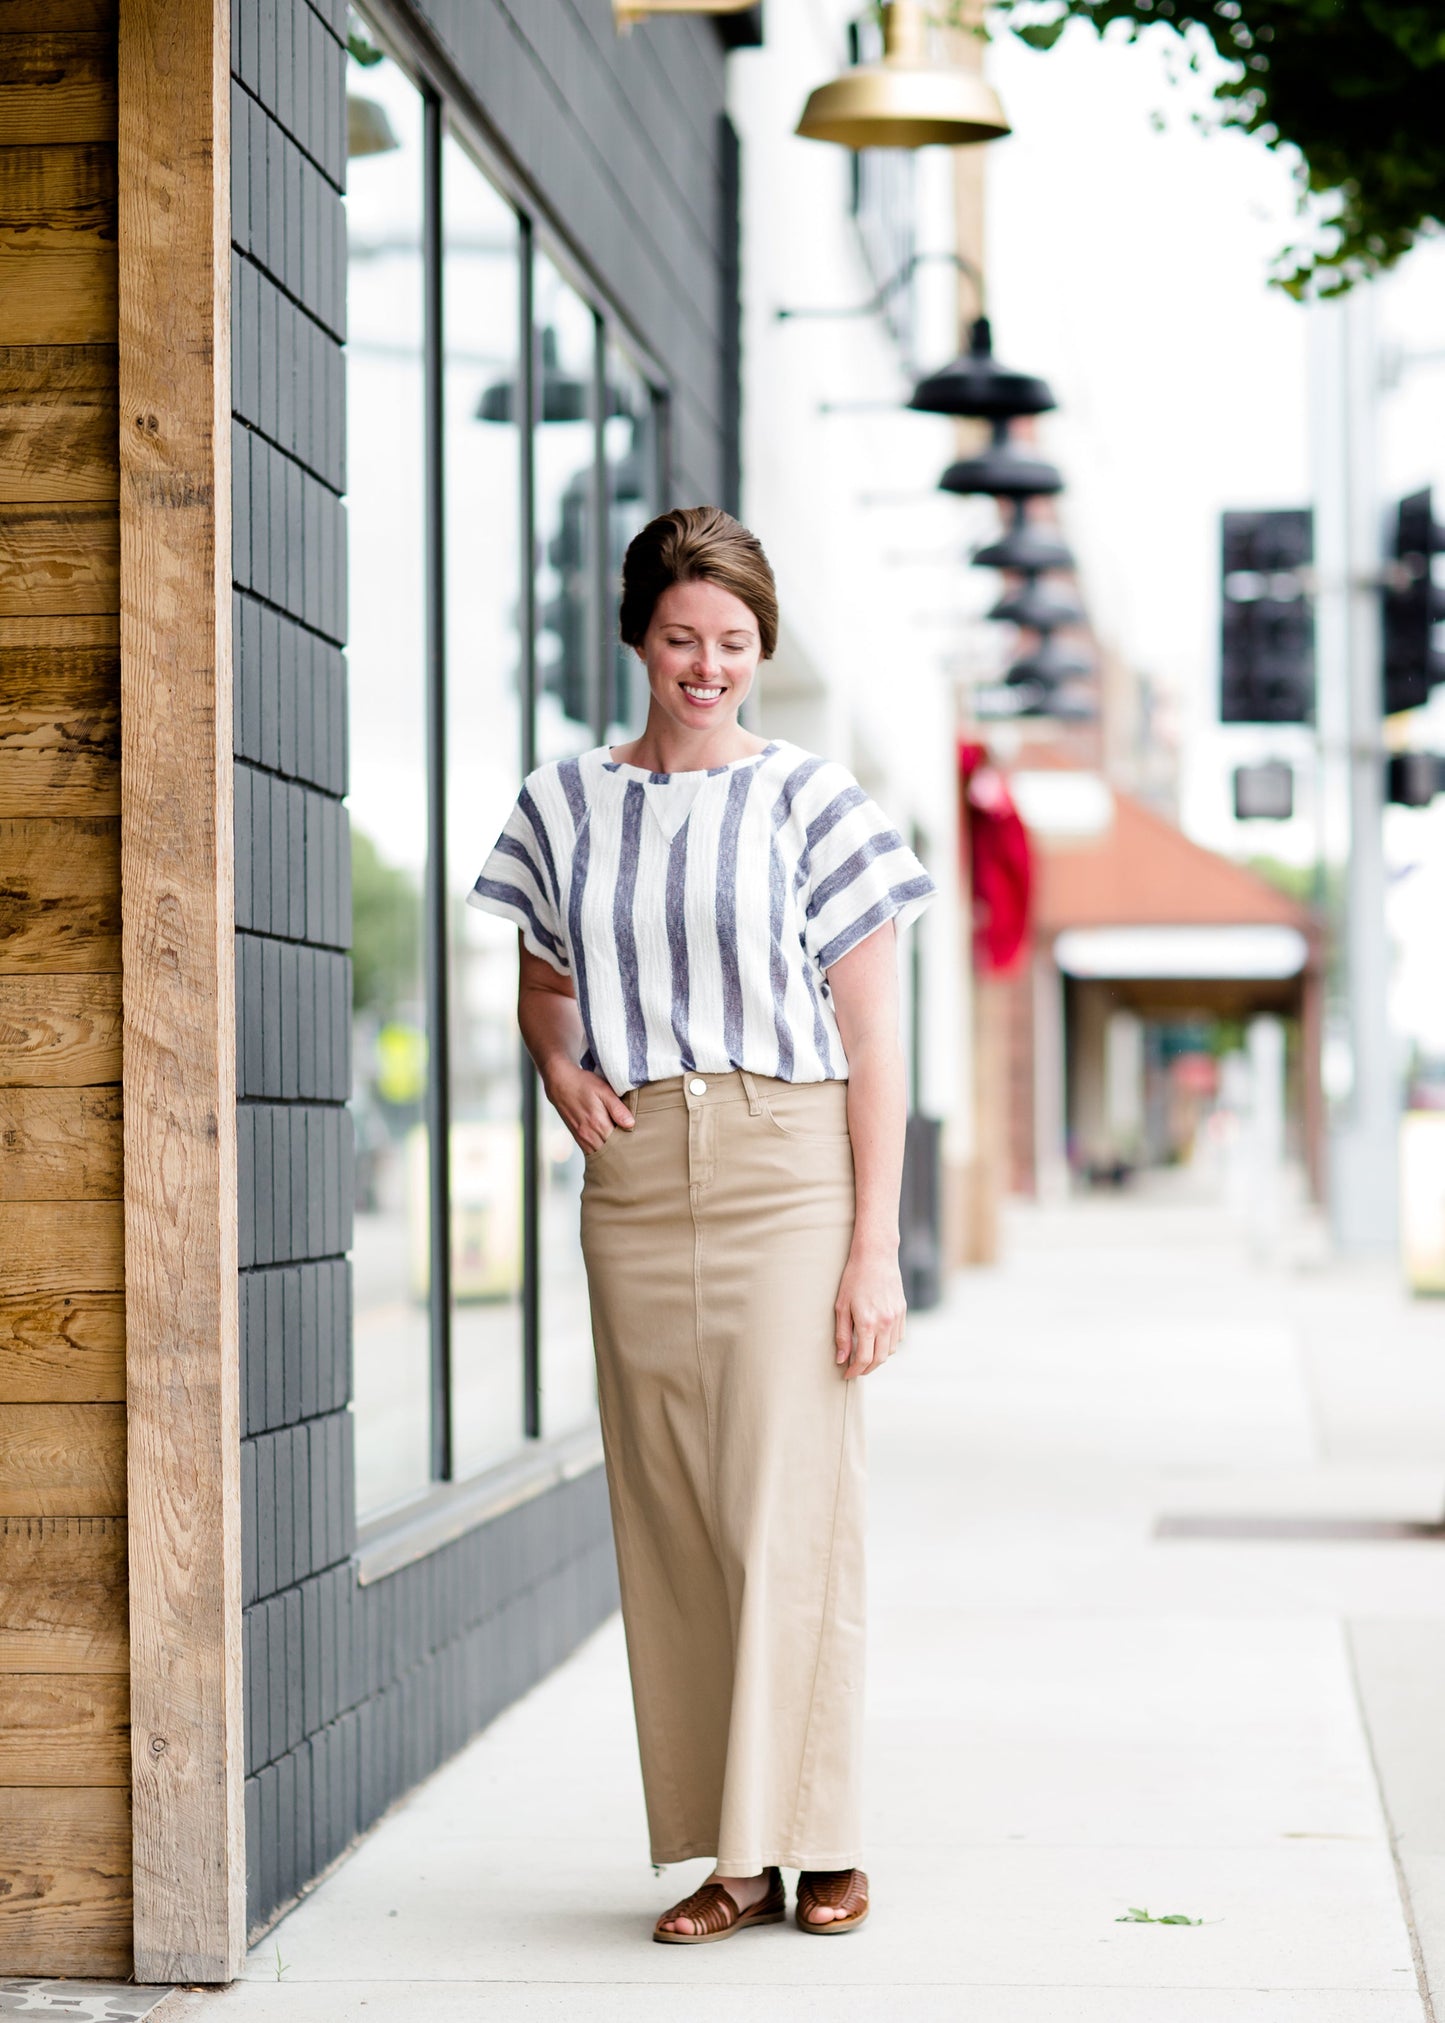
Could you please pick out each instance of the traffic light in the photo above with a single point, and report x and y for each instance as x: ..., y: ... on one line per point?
x: 1413, y: 605
x: 1267, y: 646
x: 1413, y: 779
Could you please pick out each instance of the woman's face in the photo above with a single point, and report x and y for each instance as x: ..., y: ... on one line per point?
x: 701, y: 652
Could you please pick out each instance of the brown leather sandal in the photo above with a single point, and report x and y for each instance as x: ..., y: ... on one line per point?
x: 844, y: 1889
x: 713, y: 1909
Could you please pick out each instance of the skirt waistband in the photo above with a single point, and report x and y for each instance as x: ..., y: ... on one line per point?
x: 692, y: 1092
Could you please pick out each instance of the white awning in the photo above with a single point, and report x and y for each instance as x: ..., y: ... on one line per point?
x: 1197, y: 954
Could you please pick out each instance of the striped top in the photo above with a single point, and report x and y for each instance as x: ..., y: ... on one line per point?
x: 698, y: 913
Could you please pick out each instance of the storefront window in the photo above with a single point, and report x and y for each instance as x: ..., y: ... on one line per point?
x: 630, y: 471
x: 484, y: 675
x: 386, y: 626
x: 496, y: 475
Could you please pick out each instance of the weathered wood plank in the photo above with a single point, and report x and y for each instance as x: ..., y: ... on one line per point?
x: 60, y: 1144
x: 57, y: 248
x: 67, y: 190
x: 63, y: 1595
x: 180, y: 1117
x: 62, y: 1460
x: 59, y: 558
x: 59, y: 1032
x: 65, y: 1903
x: 60, y: 732
x: 65, y: 1728
x: 57, y: 88
x: 63, y: 1348
x: 59, y: 894
x: 64, y: 1247
x: 57, y: 295
x: 69, y: 17
x: 58, y: 421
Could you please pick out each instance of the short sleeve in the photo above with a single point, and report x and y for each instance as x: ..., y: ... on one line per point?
x: 519, y: 883
x: 860, y: 874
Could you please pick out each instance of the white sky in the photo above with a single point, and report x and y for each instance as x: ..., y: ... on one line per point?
x: 1130, y: 267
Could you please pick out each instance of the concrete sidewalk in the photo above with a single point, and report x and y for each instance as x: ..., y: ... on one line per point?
x: 1070, y: 1716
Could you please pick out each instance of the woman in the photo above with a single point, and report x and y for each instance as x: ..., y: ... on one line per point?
x: 709, y: 991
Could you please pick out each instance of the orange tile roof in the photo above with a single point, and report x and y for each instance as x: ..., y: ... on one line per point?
x: 1145, y: 872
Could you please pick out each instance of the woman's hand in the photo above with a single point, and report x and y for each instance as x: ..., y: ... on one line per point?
x: 589, y: 1107
x: 869, y: 1311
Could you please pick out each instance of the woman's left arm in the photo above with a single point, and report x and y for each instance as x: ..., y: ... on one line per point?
x: 869, y: 1309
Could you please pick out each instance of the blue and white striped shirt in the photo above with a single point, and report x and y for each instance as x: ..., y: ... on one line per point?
x: 698, y: 913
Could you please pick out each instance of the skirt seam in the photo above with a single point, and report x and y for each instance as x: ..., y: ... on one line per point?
x: 824, y: 1614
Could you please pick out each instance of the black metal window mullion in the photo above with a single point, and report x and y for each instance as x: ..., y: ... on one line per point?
x: 600, y: 598
x: 527, y: 413
x: 438, y: 1105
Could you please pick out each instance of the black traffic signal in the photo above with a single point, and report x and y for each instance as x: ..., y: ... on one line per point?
x: 1413, y: 605
x: 1413, y: 779
x: 1267, y: 646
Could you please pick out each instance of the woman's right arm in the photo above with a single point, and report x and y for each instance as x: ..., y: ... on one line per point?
x: 552, y: 1029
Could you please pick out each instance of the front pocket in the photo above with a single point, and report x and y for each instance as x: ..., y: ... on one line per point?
x: 805, y: 1130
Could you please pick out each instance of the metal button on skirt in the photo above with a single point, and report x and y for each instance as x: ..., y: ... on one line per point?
x: 715, y: 1234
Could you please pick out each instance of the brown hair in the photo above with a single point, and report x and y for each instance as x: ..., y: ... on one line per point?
x: 697, y: 544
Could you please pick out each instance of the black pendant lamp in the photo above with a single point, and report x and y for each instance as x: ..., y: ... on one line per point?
x: 976, y: 385
x: 1002, y: 472
x: 1037, y: 608
x: 1027, y: 548
x: 1047, y: 666
x: 565, y: 395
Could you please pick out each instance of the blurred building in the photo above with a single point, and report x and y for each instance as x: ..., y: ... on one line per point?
x: 849, y: 293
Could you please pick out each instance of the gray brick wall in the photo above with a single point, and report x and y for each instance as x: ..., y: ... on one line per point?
x: 353, y: 1694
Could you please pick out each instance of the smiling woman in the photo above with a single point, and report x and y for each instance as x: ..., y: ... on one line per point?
x: 714, y: 1014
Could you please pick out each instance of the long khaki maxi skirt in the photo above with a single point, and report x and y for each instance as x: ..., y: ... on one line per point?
x: 715, y: 1234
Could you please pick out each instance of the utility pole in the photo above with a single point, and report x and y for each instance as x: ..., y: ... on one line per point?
x: 1364, y: 1134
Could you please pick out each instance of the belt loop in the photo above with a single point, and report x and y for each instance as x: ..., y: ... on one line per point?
x: 633, y: 1098
x: 755, y: 1101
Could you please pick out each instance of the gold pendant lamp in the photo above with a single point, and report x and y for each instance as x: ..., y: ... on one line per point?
x: 904, y: 101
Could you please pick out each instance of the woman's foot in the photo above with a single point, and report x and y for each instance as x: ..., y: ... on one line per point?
x: 832, y: 1900
x: 692, y: 1919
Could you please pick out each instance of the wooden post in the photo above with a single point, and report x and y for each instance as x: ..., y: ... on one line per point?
x: 179, y: 1002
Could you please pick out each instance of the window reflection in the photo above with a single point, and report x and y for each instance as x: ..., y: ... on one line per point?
x: 566, y: 518
x: 480, y: 252
x: 388, y: 799
x: 630, y: 447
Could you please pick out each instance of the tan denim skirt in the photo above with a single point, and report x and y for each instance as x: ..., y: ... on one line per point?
x: 715, y: 1234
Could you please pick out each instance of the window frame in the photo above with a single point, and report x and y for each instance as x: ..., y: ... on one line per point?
x: 450, y: 108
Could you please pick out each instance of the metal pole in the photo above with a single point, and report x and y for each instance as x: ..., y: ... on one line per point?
x: 1365, y: 1128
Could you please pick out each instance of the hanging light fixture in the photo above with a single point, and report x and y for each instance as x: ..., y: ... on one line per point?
x: 1037, y: 608
x: 1024, y: 547
x: 904, y: 101
x: 1001, y: 471
x: 976, y: 385
x: 565, y: 396
x: 627, y: 13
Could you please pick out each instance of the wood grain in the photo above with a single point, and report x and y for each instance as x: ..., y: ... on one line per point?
x: 59, y: 558
x: 69, y: 17
x: 180, y: 1113
x: 62, y: 1461
x: 63, y: 1247
x: 65, y: 1728
x: 63, y: 1605
x: 59, y: 1032
x: 58, y: 265
x: 60, y: 1144
x: 58, y: 421
x: 59, y: 894
x: 67, y: 1347
x: 57, y: 87
x: 65, y: 1903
